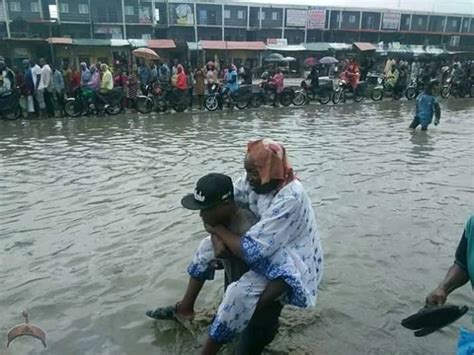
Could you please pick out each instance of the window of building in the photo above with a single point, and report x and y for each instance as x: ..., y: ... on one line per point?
x: 454, y: 23
x: 241, y: 15
x: 53, y: 11
x: 338, y: 18
x: 407, y: 21
x: 420, y: 21
x: 15, y: 6
x: 146, y: 36
x: 370, y: 21
x: 261, y: 15
x: 157, y: 15
x: 83, y: 8
x: 352, y: 19
x: 35, y: 7
x: 465, y: 24
x: 64, y: 8
x: 129, y: 10
x: 226, y: 14
x: 274, y: 16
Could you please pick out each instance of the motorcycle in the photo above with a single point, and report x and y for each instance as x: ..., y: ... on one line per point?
x: 383, y: 89
x: 84, y: 102
x: 344, y: 89
x: 322, y: 93
x: 265, y: 94
x: 414, y: 89
x: 10, y: 105
x: 459, y: 88
x: 213, y: 97
x: 160, y: 99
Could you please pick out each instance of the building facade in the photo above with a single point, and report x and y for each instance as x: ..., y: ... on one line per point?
x: 192, y: 21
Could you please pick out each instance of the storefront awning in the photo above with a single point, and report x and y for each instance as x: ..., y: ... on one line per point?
x: 219, y: 45
x: 317, y: 46
x: 246, y: 46
x: 364, y: 46
x: 161, y: 44
x: 60, y: 40
x: 119, y: 43
x: 289, y: 48
x: 340, y: 46
x: 91, y: 42
x: 138, y: 43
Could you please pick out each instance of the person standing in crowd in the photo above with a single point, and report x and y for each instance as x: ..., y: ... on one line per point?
x: 59, y: 89
x: 392, y: 78
x: 154, y: 72
x: 246, y: 74
x: 199, y: 86
x: 278, y: 83
x: 426, y: 106
x: 120, y: 78
x: 22, y: 88
x: 75, y: 80
x: 31, y: 80
x: 352, y: 74
x: 211, y: 74
x: 313, y: 76
x: 46, y: 86
x: 132, y: 86
x: 190, y: 82
x: 85, y: 74
x: 67, y: 78
x: 388, y: 66
x: 7, y: 77
x: 174, y: 69
x: 181, y: 79
x: 144, y: 75
x: 106, y: 85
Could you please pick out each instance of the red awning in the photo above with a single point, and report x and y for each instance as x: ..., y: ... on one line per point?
x: 213, y: 45
x: 248, y: 46
x: 60, y: 40
x: 161, y: 43
x: 365, y: 46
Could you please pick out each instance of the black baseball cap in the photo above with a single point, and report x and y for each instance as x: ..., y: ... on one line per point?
x: 210, y: 191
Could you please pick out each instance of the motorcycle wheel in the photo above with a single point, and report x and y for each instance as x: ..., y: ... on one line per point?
x: 376, y: 95
x: 286, y: 99
x: 211, y: 103
x: 180, y: 106
x: 337, y: 97
x: 71, y: 109
x: 324, y: 97
x: 114, y: 109
x: 358, y: 96
x: 241, y: 102
x: 12, y: 115
x: 445, y: 92
x: 299, y: 99
x: 256, y: 101
x: 410, y: 93
x: 144, y: 104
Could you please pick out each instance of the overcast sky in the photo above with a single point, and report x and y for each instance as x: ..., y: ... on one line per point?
x: 444, y: 6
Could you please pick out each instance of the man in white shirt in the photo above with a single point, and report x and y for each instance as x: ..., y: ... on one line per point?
x: 46, y: 86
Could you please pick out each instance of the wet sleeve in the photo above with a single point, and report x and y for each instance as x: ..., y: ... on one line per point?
x: 461, y: 253
x: 276, y: 226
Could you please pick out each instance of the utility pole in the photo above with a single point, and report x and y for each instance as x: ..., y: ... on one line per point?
x: 7, y: 18
x: 90, y: 19
x: 124, y: 35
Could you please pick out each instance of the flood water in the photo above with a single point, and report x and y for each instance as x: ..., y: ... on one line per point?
x: 92, y: 233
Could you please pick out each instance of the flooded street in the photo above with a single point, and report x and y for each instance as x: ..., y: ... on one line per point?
x: 92, y: 232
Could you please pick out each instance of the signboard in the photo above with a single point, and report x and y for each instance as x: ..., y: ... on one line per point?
x: 182, y: 14
x: 277, y: 41
x: 391, y: 21
x: 316, y: 19
x: 114, y: 31
x: 295, y: 18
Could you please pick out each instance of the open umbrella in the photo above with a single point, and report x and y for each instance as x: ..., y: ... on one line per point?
x: 289, y: 59
x: 328, y: 60
x: 145, y: 53
x: 310, y: 62
x: 274, y: 57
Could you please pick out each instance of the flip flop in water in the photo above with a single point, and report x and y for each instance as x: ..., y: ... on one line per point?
x: 26, y: 329
x: 167, y: 313
x: 429, y: 320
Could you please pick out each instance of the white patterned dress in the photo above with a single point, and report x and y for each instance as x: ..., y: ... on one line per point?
x: 283, y: 244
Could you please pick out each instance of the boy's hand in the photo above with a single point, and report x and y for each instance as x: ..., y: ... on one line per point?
x: 436, y: 122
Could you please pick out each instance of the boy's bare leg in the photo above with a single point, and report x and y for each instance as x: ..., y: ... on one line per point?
x: 272, y: 292
x: 185, y: 308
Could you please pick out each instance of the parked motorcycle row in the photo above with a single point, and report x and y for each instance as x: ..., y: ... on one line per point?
x: 161, y: 99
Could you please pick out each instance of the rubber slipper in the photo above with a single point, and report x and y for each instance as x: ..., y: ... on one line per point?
x: 163, y: 313
x: 428, y: 320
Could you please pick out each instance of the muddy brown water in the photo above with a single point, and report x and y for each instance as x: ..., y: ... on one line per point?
x: 92, y: 233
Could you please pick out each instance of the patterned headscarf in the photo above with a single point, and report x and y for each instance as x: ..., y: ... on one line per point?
x: 270, y: 160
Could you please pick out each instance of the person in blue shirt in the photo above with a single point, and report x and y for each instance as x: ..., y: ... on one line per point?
x: 426, y: 105
x: 231, y: 82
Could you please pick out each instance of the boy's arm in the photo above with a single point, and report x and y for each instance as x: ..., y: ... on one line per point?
x: 437, y: 110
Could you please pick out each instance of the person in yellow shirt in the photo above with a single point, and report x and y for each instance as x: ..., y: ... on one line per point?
x: 106, y: 85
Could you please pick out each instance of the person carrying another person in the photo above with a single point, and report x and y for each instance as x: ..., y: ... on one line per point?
x: 426, y: 105
x: 282, y: 250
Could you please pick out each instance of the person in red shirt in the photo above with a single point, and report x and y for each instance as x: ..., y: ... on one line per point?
x: 181, y: 80
x: 74, y: 81
x: 352, y: 74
